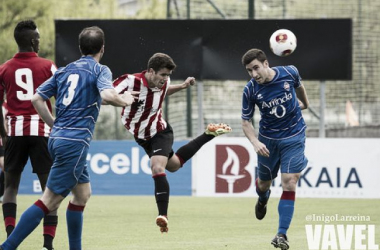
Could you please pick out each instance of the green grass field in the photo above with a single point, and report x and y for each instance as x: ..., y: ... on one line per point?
x: 128, y: 222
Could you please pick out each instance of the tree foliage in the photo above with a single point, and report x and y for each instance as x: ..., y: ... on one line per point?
x: 44, y: 12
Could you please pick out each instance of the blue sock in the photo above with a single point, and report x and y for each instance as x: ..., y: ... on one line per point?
x: 74, y: 219
x: 286, y: 210
x: 29, y: 220
x: 263, y: 196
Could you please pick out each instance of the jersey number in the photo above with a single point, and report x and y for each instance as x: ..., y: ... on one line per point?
x: 26, y: 85
x: 276, y: 113
x: 73, y: 82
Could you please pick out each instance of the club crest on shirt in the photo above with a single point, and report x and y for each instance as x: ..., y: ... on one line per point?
x: 286, y: 86
x: 259, y: 96
x: 139, y: 104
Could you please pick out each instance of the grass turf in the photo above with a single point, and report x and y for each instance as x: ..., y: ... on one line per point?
x: 196, y: 223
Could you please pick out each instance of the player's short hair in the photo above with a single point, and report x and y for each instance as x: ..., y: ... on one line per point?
x: 24, y: 33
x: 91, y: 40
x: 160, y: 61
x: 253, y: 54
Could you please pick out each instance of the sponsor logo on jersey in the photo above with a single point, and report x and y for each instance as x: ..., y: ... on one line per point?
x: 277, y: 101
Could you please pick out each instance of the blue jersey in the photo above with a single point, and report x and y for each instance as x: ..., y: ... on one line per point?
x: 77, y: 90
x: 281, y: 115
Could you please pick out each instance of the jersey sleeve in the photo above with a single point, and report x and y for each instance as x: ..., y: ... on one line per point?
x: 248, y: 104
x: 48, y: 88
x: 104, y: 79
x: 296, y: 76
x: 123, y: 83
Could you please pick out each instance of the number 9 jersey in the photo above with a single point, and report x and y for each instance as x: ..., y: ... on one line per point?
x: 77, y: 90
x: 19, y: 78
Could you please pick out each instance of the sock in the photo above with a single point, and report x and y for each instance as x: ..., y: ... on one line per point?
x: 286, y: 210
x: 74, y: 219
x: 161, y: 192
x: 50, y: 226
x: 1, y: 183
x: 187, y: 151
x: 263, y: 196
x: 9, y: 213
x: 29, y: 220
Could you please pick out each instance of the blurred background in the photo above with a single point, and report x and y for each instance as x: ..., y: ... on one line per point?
x: 349, y: 108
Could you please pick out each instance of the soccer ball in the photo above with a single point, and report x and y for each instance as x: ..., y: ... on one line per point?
x: 283, y: 42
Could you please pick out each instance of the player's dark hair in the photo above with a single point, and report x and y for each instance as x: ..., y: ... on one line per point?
x: 253, y: 54
x: 160, y: 61
x: 91, y: 40
x: 24, y: 33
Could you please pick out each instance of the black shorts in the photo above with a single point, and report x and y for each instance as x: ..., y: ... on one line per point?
x: 1, y: 151
x: 160, y: 144
x: 19, y: 148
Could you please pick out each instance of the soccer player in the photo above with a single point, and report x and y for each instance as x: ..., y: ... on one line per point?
x: 144, y: 120
x: 280, y: 145
x: 79, y: 89
x: 27, y: 132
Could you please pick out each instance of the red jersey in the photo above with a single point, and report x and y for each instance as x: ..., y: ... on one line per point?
x: 19, y: 79
x: 144, y: 117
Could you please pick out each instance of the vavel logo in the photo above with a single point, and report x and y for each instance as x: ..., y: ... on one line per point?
x: 232, y: 175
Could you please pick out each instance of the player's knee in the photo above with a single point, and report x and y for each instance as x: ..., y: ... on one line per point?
x: 157, y: 169
x: 289, y: 182
x: 81, y: 200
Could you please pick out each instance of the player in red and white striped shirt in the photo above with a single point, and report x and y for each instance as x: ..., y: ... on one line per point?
x: 144, y: 120
x: 27, y: 133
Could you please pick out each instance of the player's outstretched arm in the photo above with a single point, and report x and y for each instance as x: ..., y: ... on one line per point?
x: 110, y: 96
x: 190, y: 81
x: 41, y: 107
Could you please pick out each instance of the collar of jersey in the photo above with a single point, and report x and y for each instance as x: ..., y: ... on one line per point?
x: 145, y: 81
x: 26, y: 54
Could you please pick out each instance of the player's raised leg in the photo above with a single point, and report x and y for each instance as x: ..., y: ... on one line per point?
x: 187, y: 151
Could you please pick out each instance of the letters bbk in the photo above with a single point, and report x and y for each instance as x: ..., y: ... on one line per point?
x: 341, y: 237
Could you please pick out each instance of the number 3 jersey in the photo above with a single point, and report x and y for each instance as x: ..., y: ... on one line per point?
x: 19, y: 78
x: 77, y: 89
x: 280, y: 112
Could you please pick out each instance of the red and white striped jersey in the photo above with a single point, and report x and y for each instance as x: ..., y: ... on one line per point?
x: 144, y: 117
x: 19, y: 79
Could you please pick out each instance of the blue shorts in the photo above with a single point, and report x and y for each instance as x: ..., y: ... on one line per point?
x: 287, y: 155
x: 69, y: 165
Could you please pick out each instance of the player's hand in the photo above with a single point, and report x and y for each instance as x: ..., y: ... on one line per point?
x: 135, y: 94
x: 261, y: 149
x: 4, y: 140
x: 302, y: 106
x: 190, y: 81
x: 128, y: 97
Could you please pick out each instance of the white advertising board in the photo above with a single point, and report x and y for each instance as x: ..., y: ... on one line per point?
x: 337, y: 168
